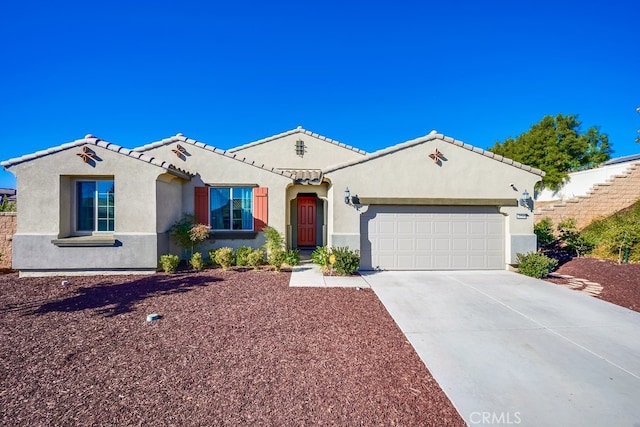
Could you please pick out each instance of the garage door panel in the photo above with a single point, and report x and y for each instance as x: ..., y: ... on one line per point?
x: 406, y: 244
x: 432, y: 237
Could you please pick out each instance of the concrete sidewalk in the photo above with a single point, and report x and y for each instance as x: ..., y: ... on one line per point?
x: 308, y: 274
x: 511, y: 350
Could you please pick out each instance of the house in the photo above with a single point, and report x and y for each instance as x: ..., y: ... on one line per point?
x: 90, y: 206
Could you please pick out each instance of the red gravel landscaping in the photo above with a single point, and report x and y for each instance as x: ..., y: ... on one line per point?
x: 230, y: 348
x: 620, y: 282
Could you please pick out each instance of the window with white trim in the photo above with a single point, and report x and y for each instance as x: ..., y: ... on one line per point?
x: 231, y: 208
x: 95, y: 206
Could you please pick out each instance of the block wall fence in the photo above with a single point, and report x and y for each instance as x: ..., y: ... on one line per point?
x: 7, y: 230
x: 602, y: 200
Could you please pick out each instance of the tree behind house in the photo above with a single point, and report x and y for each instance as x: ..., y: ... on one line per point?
x: 557, y: 146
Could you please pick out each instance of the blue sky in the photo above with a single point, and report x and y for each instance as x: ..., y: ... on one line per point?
x: 369, y: 74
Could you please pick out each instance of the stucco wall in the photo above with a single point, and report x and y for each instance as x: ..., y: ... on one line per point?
x: 7, y: 230
x: 281, y: 153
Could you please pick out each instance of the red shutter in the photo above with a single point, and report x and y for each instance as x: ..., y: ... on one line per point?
x: 260, y: 208
x: 201, y: 205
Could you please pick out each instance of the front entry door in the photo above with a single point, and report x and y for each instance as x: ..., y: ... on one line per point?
x: 306, y: 221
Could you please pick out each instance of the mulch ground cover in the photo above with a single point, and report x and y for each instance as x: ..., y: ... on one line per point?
x: 230, y: 348
x: 620, y: 282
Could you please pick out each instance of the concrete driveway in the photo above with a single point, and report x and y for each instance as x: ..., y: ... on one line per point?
x: 511, y: 350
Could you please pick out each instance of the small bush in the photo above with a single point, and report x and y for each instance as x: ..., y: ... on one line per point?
x: 224, y: 257
x: 242, y: 254
x: 574, y: 240
x: 320, y: 256
x: 544, y: 232
x: 212, y: 257
x: 292, y: 257
x: 535, y: 264
x: 346, y: 260
x: 169, y: 263
x: 276, y: 258
x: 274, y: 240
x: 6, y: 205
x: 255, y: 259
x: 196, y: 261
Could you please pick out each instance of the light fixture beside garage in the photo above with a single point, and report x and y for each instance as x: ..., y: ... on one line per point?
x: 526, y: 200
x: 351, y: 200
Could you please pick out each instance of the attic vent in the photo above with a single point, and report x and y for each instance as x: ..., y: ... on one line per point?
x: 300, y: 148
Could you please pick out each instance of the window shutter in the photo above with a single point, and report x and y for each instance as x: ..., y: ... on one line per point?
x: 260, y: 208
x: 201, y: 202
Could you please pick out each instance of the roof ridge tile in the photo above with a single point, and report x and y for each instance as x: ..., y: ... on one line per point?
x: 429, y: 137
x: 91, y: 140
x: 219, y: 151
x: 303, y: 131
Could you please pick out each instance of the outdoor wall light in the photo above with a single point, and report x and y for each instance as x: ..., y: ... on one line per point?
x: 351, y: 200
x: 526, y: 200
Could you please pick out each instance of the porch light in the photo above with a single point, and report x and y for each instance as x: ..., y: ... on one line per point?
x: 526, y: 200
x: 347, y: 196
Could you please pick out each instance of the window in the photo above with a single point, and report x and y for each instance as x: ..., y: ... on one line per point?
x: 300, y: 149
x: 95, y: 206
x: 231, y: 208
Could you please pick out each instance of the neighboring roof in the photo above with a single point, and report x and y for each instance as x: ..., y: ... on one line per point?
x: 623, y: 159
x: 430, y: 137
x: 299, y: 129
x: 92, y: 140
x: 10, y: 193
x: 183, y: 139
x: 306, y: 176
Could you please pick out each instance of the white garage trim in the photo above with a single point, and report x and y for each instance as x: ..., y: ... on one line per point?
x: 432, y: 238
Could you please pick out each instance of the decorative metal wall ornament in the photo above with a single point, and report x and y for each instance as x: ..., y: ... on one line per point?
x: 87, y: 154
x: 437, y: 156
x: 179, y: 151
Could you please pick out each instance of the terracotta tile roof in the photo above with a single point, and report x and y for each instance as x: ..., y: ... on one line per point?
x: 183, y: 139
x: 430, y: 137
x: 306, y: 176
x: 92, y: 140
x: 300, y: 130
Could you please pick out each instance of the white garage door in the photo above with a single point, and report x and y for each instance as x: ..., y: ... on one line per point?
x: 432, y: 238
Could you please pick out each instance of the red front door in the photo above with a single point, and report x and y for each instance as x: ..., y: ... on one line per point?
x: 306, y: 221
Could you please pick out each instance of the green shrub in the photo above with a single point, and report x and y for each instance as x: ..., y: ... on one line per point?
x: 255, y: 259
x: 212, y: 257
x: 169, y: 263
x: 276, y: 258
x: 321, y: 256
x: 618, y: 236
x: 292, y: 257
x: 346, y: 261
x: 188, y: 234
x: 6, y: 205
x: 274, y: 240
x: 535, y: 264
x: 224, y: 257
x: 242, y: 254
x: 574, y: 240
x: 544, y: 232
x: 196, y: 261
